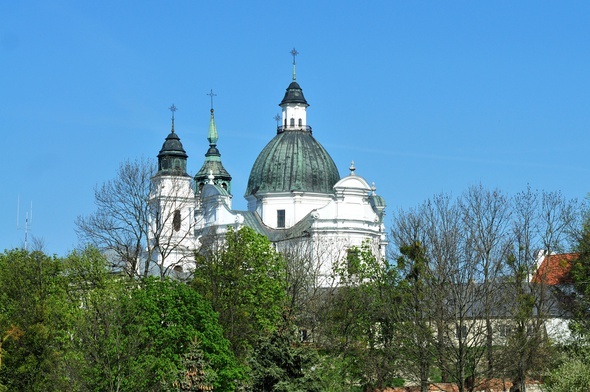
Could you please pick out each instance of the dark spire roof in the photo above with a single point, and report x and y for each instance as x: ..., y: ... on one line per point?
x: 172, y: 157
x: 294, y: 94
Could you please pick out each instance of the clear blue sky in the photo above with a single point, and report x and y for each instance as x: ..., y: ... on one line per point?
x: 425, y: 97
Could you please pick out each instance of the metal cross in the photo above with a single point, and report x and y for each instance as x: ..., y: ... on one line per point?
x: 211, y: 94
x: 172, y: 109
x: 294, y: 52
x: 277, y: 118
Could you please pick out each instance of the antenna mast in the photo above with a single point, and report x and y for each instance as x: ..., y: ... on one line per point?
x: 28, y: 221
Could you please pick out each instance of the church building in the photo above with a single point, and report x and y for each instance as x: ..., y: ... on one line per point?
x: 295, y: 197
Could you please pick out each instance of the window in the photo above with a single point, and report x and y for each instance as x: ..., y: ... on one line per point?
x: 461, y: 332
x: 292, y: 122
x: 280, y: 218
x: 176, y: 220
x: 300, y: 122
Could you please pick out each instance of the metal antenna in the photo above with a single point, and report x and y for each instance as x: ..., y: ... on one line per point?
x: 211, y: 95
x: 294, y: 52
x: 172, y: 109
x: 28, y: 221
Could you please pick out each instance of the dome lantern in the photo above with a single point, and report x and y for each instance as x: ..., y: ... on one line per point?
x: 172, y: 157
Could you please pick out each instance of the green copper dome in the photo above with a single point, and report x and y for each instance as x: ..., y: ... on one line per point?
x: 293, y: 161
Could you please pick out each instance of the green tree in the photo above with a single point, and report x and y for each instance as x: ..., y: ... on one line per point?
x: 131, y: 335
x: 32, y: 322
x: 281, y: 363
x: 195, y: 373
x: 358, y: 328
x: 244, y: 278
x: 170, y: 315
x: 573, y: 375
x: 581, y: 277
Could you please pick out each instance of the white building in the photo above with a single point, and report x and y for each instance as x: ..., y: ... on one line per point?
x: 295, y: 195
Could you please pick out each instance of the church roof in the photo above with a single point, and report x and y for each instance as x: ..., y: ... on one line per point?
x: 212, y: 164
x: 172, y: 157
x: 294, y: 94
x: 214, y: 167
x: 293, y: 161
x: 172, y: 147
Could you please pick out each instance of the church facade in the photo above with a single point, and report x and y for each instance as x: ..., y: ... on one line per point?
x: 295, y: 197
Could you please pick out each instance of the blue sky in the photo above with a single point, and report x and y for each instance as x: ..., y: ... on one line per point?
x: 425, y: 96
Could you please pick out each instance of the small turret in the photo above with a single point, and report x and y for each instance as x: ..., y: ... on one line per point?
x: 294, y: 105
x: 172, y: 157
x: 212, y: 164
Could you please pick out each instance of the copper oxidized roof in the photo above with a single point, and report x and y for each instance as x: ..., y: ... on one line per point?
x: 293, y: 161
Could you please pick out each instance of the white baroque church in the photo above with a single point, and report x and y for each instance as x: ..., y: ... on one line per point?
x: 295, y: 197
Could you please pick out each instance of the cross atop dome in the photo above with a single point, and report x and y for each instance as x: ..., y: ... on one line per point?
x: 172, y: 109
x: 211, y: 95
x: 294, y: 53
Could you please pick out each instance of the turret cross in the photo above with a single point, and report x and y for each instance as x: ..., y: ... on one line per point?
x: 172, y: 109
x: 294, y: 52
x: 211, y: 95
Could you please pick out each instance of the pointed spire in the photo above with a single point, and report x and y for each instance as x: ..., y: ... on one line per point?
x: 172, y: 109
x: 294, y: 52
x: 212, y: 171
x: 212, y: 137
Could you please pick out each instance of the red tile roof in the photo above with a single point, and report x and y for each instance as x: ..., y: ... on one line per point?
x: 555, y: 269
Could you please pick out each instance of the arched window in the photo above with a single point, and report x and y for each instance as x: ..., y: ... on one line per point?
x: 300, y: 122
x: 292, y: 122
x: 176, y: 220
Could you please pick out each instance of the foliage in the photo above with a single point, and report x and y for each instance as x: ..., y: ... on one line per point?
x: 361, y: 320
x: 281, y: 363
x: 71, y: 325
x: 581, y: 277
x: 170, y: 315
x: 243, y: 277
x: 573, y: 375
x: 32, y: 322
x: 195, y: 373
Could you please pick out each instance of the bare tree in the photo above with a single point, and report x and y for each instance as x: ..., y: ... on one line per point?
x: 542, y: 224
x: 486, y: 218
x: 130, y: 229
x: 455, y: 255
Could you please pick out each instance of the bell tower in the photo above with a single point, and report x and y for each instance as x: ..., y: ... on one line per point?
x: 172, y: 206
